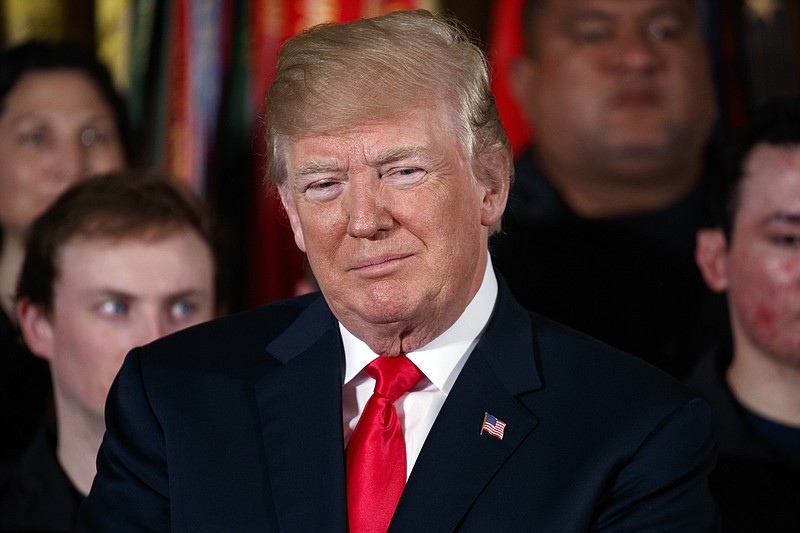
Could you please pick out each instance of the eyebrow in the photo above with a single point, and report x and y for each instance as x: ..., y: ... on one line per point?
x: 396, y: 154
x: 317, y: 167
x: 128, y: 297
x: 111, y: 293
x: 186, y: 294
x: 591, y: 15
x: 382, y: 157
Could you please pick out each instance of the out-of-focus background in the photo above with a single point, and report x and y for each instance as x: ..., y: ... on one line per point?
x: 194, y: 73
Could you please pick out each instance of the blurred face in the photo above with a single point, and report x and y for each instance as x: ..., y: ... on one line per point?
x: 55, y: 129
x: 111, y: 296
x: 617, y: 81
x: 393, y: 223
x: 761, y: 266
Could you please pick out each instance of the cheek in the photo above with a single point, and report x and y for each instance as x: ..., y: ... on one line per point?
x: 769, y: 295
x: 17, y: 179
x: 25, y: 192
x: 88, y: 361
x: 106, y: 160
x: 561, y: 112
x: 320, y: 235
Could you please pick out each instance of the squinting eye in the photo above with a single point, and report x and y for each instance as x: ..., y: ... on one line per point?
x: 35, y: 138
x: 591, y: 36
x: 665, y: 30
x: 404, y: 177
x: 114, y: 307
x: 591, y: 33
x: 323, y: 190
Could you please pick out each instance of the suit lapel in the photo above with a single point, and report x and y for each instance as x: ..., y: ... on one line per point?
x: 299, y: 405
x: 457, y: 461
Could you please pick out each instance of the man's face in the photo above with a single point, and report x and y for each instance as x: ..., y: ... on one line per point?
x: 393, y: 223
x: 55, y: 129
x: 111, y: 296
x: 761, y: 266
x: 617, y: 81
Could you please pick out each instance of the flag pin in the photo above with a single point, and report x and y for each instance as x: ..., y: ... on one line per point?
x: 493, y: 426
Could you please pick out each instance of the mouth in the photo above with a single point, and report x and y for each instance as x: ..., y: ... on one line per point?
x: 633, y: 99
x: 379, y: 265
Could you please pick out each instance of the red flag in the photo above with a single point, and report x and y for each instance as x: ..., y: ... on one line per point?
x: 506, y: 43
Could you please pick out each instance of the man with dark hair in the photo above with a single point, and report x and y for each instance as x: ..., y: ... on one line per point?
x: 412, y: 393
x: 600, y: 226
x: 753, y: 382
x: 115, y: 262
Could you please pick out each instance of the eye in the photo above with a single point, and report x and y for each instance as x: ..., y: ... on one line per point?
x: 662, y: 32
x: 592, y: 31
x: 114, y: 308
x: 403, y: 176
x: 787, y: 240
x: 89, y: 137
x: 94, y: 136
x: 34, y: 138
x: 323, y: 190
x: 666, y: 28
x: 182, y: 309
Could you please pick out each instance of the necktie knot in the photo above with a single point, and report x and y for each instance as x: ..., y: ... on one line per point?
x: 394, y: 376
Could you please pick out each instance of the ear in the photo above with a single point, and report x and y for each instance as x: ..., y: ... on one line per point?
x: 495, y: 183
x: 523, y: 72
x: 287, y: 199
x: 711, y: 253
x: 37, y: 330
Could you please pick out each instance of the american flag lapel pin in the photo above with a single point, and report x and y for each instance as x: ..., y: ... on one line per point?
x: 493, y: 426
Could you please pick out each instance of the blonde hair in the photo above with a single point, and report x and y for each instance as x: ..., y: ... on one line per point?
x: 332, y: 76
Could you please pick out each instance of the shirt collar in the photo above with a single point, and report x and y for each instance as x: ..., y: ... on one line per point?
x: 441, y: 359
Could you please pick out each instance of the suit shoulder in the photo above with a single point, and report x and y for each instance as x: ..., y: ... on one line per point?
x: 224, y: 340
x: 592, y: 364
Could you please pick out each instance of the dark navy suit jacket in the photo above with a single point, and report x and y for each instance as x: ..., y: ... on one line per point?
x: 236, y: 425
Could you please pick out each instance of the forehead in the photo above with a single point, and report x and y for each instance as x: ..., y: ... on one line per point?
x: 41, y: 90
x: 555, y: 12
x: 179, y: 252
x: 771, y: 178
x: 417, y: 130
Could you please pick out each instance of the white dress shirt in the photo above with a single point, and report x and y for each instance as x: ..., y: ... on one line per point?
x: 441, y: 360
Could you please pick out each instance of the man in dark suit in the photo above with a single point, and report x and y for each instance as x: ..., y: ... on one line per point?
x: 387, y: 151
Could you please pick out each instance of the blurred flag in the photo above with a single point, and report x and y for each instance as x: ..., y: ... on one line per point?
x: 506, y: 43
x: 199, y: 71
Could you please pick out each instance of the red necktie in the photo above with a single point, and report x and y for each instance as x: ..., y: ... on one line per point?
x: 376, y: 453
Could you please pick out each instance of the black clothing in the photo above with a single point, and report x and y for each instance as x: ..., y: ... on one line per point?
x: 629, y: 281
x: 756, y: 486
x: 36, y: 494
x: 25, y: 392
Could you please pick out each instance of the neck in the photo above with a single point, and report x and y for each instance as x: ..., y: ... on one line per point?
x: 12, y: 253
x: 621, y: 188
x: 79, y: 438
x: 399, y: 338
x: 766, y: 386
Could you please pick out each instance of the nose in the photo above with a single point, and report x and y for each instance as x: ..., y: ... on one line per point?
x: 72, y: 161
x: 154, y: 326
x: 635, y: 51
x: 365, y: 209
